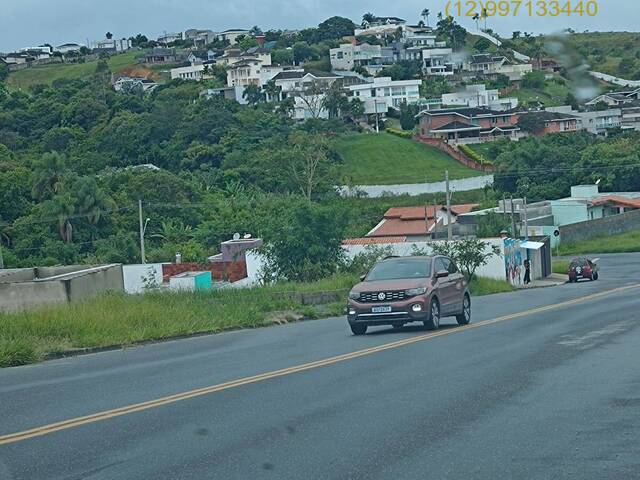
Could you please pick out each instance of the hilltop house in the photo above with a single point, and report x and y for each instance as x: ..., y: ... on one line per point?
x: 616, y: 99
x: 478, y: 96
x: 467, y: 124
x: 493, y: 65
x: 161, y: 55
x: 231, y: 35
x: 68, y: 47
x: 349, y: 56
x: 168, y: 38
x: 308, y: 89
x: 200, y: 37
x: 438, y: 61
x: 383, y: 93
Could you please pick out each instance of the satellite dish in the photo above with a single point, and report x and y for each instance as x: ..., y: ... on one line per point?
x: 246, y: 236
x: 236, y: 236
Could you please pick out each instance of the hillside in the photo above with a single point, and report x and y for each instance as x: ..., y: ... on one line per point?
x: 384, y: 159
x: 46, y: 74
x: 604, y: 52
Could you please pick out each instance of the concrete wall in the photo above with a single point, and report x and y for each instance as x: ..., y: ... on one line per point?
x: 61, y: 288
x: 625, y: 222
x: 460, y: 185
x: 26, y: 295
x: 137, y: 278
x: 493, y: 269
x: 11, y: 275
x: 90, y: 284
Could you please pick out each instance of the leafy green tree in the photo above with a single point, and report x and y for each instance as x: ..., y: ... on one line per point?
x: 533, y: 79
x: 272, y: 91
x: 532, y: 122
x: 61, y: 207
x: 301, y: 52
x: 4, y: 72
x: 253, y: 94
x: 469, y: 254
x: 302, y: 241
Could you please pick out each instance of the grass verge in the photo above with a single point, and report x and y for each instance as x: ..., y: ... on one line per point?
x: 560, y: 266
x: 384, y: 159
x: 621, y: 243
x: 119, y: 319
x: 486, y: 286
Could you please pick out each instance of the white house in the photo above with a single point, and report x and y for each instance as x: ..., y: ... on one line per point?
x: 477, y: 96
x: 438, y: 61
x: 383, y: 93
x: 118, y: 45
x: 167, y: 38
x: 308, y: 90
x: 200, y: 37
x: 192, y: 72
x: 250, y: 69
x: 68, y: 47
x: 380, y: 26
x: 348, y: 56
x: 232, y: 34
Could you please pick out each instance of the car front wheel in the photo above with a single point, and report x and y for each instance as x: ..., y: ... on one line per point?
x: 465, y: 317
x: 433, y: 320
x: 358, y: 328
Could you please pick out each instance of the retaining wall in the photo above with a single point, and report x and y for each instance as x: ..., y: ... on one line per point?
x: 622, y: 223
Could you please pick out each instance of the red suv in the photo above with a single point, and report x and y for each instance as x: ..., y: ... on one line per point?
x: 400, y: 290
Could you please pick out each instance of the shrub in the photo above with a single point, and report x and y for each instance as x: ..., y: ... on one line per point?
x: 399, y: 133
x: 473, y: 155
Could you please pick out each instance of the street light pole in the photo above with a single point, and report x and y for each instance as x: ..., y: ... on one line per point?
x: 446, y: 180
x: 142, y: 228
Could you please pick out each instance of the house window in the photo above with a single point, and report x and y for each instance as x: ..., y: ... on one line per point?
x: 494, y: 120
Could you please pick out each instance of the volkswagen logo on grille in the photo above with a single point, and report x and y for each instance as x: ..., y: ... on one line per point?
x: 381, y: 296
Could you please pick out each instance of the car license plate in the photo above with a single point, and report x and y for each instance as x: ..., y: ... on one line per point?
x: 380, y: 309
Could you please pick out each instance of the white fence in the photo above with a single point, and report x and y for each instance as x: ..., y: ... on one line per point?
x: 615, y: 80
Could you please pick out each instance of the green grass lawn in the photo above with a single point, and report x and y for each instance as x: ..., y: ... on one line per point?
x: 553, y: 94
x: 383, y: 159
x: 560, y: 266
x: 622, y: 243
x: 46, y: 74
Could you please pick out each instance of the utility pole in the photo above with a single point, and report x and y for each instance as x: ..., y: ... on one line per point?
x: 142, y: 256
x: 375, y: 102
x: 446, y: 182
x: 526, y: 221
x: 513, y: 220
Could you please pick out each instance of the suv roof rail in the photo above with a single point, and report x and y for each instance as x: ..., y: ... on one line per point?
x: 391, y: 256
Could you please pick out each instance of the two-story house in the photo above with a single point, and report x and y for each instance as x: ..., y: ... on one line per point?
x: 479, y: 96
x: 349, y: 56
x: 383, y: 93
x: 308, y: 89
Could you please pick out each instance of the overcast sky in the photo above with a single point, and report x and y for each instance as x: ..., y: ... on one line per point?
x: 32, y: 22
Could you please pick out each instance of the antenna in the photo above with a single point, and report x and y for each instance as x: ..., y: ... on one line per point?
x: 236, y: 236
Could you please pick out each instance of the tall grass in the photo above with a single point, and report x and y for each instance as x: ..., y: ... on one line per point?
x: 621, y: 243
x: 121, y: 319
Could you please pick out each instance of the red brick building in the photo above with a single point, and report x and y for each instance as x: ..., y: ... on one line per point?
x: 453, y: 124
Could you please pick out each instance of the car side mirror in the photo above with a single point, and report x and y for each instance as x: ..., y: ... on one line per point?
x: 362, y: 277
x: 442, y: 274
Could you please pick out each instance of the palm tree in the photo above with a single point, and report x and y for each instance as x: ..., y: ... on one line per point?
x: 425, y: 14
x: 62, y: 208
x: 91, y: 200
x: 109, y: 35
x: 272, y: 91
x: 174, y: 231
x: 476, y: 17
x: 485, y: 15
x: 48, y: 172
x: 367, y: 19
x: 439, y: 16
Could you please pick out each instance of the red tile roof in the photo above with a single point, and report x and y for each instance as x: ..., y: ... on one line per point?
x: 622, y: 201
x: 404, y: 221
x: 415, y: 213
x: 373, y: 240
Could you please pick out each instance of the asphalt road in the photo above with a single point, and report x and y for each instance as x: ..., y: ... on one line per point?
x: 551, y: 393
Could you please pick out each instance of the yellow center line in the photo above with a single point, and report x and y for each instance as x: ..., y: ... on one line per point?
x: 138, y: 407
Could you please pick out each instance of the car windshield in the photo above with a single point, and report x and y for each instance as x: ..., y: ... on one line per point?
x: 397, y: 269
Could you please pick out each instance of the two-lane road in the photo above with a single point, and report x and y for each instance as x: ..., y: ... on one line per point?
x: 544, y: 383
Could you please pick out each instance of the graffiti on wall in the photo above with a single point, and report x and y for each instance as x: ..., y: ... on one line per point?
x: 513, y: 261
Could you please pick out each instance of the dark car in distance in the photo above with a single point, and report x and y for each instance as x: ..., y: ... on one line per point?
x: 399, y: 290
x: 582, y: 267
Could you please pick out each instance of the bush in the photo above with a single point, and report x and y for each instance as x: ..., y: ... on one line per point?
x: 399, y: 133
x: 473, y: 155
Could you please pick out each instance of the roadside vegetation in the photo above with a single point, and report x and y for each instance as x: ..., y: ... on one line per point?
x: 621, y: 243
x: 560, y: 266
x: 121, y: 319
x: 384, y: 159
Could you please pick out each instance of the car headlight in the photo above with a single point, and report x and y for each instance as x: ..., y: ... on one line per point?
x: 354, y: 295
x: 412, y: 292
